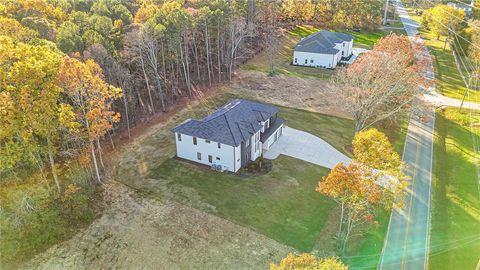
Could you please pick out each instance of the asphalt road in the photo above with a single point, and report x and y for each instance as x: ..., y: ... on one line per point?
x: 407, y: 240
x: 406, y: 244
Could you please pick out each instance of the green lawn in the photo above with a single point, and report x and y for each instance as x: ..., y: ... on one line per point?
x: 335, y: 130
x: 282, y: 204
x: 455, y: 216
x: 283, y: 57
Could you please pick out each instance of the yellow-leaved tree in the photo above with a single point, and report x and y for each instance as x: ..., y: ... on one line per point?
x: 373, y: 180
x: 29, y: 110
x: 90, y: 102
x: 307, y: 261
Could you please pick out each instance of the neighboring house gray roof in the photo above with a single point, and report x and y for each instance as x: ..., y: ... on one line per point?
x: 231, y: 124
x: 463, y: 6
x: 322, y: 42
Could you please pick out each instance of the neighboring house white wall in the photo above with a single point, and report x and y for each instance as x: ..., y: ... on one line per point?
x: 323, y: 60
x: 347, y: 48
x: 315, y: 59
x: 227, y: 156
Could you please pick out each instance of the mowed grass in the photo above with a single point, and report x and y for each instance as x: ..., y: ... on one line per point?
x: 455, y: 216
x: 284, y: 54
x: 282, y: 204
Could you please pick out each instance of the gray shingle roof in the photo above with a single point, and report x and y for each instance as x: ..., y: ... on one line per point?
x: 322, y: 42
x: 231, y: 124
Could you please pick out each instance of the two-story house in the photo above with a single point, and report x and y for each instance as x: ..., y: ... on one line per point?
x: 323, y: 49
x: 230, y: 137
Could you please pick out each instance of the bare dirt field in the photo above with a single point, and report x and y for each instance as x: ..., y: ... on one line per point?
x: 304, y: 93
x: 136, y: 232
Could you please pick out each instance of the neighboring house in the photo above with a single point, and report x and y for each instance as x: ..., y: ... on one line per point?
x: 467, y: 8
x: 231, y: 137
x: 323, y: 49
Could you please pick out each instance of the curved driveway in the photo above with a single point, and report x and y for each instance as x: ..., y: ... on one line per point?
x: 305, y: 146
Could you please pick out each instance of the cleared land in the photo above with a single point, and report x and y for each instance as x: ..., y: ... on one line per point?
x: 136, y: 232
x: 455, y: 216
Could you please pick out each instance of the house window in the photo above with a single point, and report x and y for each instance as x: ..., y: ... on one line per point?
x: 306, y: 61
x: 217, y: 158
x: 218, y: 145
x: 207, y: 141
x: 179, y: 137
x: 195, y: 140
x: 295, y: 60
x: 311, y: 60
x: 210, y: 158
x: 199, y: 156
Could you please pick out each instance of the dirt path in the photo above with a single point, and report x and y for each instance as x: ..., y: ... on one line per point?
x: 141, y: 233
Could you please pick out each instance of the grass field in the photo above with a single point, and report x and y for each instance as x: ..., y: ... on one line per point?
x: 283, y: 57
x: 455, y: 231
x: 282, y: 204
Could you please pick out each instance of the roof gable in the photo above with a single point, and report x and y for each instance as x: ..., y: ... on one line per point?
x: 322, y: 42
x: 231, y: 124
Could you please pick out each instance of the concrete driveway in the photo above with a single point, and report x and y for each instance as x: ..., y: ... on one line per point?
x: 305, y: 146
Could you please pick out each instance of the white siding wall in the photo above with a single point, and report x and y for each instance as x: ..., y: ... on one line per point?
x: 323, y: 60
x: 319, y: 60
x: 264, y: 125
x: 348, y: 48
x: 256, y: 140
x: 187, y: 150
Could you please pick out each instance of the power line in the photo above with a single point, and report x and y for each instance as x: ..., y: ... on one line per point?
x: 462, y: 19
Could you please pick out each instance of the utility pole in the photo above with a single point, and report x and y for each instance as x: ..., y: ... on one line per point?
x: 385, y: 12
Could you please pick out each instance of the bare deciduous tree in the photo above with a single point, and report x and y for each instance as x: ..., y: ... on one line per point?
x: 381, y: 83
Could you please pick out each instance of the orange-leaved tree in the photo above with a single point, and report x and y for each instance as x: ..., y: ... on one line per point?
x: 355, y: 189
x: 90, y: 100
x: 373, y: 180
x: 307, y: 261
